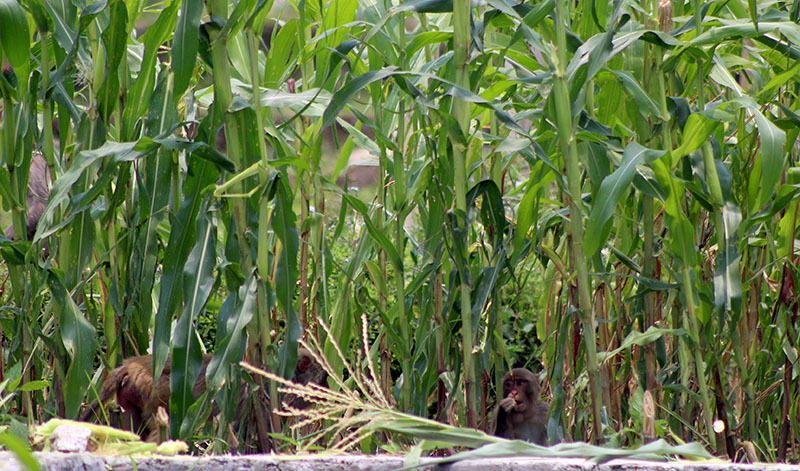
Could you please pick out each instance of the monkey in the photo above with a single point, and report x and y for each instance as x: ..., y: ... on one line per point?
x: 131, y: 386
x: 143, y: 408
x: 308, y: 370
x: 36, y: 199
x: 520, y: 414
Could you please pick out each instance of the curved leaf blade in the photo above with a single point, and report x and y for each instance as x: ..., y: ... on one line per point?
x: 611, y: 191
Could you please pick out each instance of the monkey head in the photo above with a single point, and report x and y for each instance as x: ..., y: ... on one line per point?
x: 520, y: 390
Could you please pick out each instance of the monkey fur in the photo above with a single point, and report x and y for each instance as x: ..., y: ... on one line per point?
x: 519, y: 413
x: 36, y: 199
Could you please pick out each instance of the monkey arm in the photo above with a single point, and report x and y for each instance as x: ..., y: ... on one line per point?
x: 498, y: 425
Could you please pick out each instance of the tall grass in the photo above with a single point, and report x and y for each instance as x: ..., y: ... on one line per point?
x: 606, y: 193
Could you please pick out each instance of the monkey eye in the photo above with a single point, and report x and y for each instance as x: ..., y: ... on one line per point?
x: 521, y: 382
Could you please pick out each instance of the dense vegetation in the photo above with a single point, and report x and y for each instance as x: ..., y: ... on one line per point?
x: 605, y: 192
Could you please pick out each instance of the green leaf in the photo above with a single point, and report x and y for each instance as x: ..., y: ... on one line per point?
x: 681, y: 231
x: 34, y: 385
x: 139, y: 97
x: 37, y: 10
x: 15, y: 40
x: 115, y: 38
x: 527, y: 214
x: 187, y: 354
x: 780, y: 80
x: 426, y: 38
x: 197, y: 149
x: 343, y: 96
x: 492, y: 210
x: 154, y: 176
x: 377, y: 234
x: 228, y: 349
x: 753, y: 10
x: 773, y: 158
x: 21, y: 450
x: 638, y: 338
x: 656, y: 450
x: 184, y: 44
x: 275, y: 67
x: 77, y: 335
x: 241, y: 12
x: 611, y: 191
x: 284, y: 223
x: 647, y: 106
x: 196, y: 188
x: 696, y: 133
x: 727, y: 278
x: 119, y: 152
x: 424, y: 6
x: 15, y: 36
x: 359, y: 138
x: 735, y: 29
x: 64, y: 15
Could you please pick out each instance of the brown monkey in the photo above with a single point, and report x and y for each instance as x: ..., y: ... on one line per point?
x: 131, y: 385
x: 520, y: 414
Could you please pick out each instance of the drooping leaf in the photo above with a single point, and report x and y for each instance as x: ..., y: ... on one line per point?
x: 611, y: 191
x: 21, y: 450
x: 377, y: 233
x: 773, y: 158
x: 657, y: 450
x: 343, y: 96
x: 638, y: 338
x: 696, y: 133
x: 647, y: 106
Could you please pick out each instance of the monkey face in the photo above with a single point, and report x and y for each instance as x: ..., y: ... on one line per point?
x: 519, y: 390
x: 521, y: 386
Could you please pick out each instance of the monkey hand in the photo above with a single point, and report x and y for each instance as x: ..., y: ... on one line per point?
x: 508, y: 404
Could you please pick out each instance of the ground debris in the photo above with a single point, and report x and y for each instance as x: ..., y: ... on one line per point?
x: 74, y: 437
x: 92, y: 462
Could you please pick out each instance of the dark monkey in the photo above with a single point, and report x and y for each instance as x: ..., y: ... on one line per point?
x: 520, y: 414
x: 308, y: 370
x: 131, y: 385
